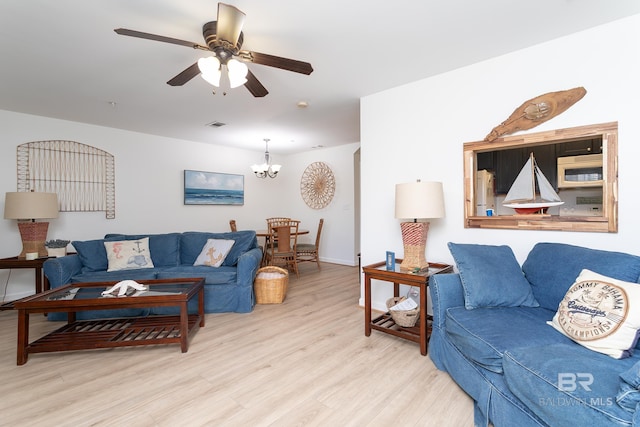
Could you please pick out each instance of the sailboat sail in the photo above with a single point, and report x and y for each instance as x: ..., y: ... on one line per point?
x: 521, y: 190
x: 522, y: 194
x: 546, y: 189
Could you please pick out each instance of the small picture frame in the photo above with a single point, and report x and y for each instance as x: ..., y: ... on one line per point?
x: 391, y: 260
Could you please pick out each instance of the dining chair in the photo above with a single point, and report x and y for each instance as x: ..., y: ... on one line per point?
x: 283, y: 239
x: 308, y: 252
x: 267, y: 240
x: 232, y: 224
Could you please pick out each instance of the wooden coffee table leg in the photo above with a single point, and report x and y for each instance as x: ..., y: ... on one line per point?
x: 23, y: 336
x: 201, y: 306
x: 184, y: 327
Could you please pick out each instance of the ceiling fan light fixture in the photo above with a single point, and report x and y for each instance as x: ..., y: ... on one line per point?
x: 224, y: 38
x: 237, y: 72
x: 210, y: 70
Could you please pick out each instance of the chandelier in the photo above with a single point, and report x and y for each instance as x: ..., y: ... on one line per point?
x: 266, y: 169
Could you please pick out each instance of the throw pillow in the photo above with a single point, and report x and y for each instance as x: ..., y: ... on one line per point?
x: 491, y: 277
x: 128, y: 254
x: 92, y: 255
x: 214, y: 252
x: 601, y: 314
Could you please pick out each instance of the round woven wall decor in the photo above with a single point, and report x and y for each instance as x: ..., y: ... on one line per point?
x: 317, y: 185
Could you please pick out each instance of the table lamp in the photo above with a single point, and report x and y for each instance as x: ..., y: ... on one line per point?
x: 417, y: 200
x: 31, y: 206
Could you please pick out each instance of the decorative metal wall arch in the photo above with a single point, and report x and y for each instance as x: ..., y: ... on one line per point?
x: 83, y: 176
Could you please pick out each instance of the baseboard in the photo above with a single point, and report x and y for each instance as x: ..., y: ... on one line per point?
x: 339, y: 261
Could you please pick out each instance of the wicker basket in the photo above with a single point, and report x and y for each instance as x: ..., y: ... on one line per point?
x: 404, y: 318
x: 270, y: 285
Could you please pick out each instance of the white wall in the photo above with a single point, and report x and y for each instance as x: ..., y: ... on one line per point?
x: 149, y: 190
x: 337, y: 244
x: 417, y: 131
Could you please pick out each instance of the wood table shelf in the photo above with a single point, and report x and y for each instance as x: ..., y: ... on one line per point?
x: 384, y: 323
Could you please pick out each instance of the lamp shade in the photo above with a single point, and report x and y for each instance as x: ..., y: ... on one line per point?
x: 30, y: 205
x: 419, y: 200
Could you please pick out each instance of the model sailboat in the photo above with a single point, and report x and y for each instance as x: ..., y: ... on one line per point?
x: 522, y: 194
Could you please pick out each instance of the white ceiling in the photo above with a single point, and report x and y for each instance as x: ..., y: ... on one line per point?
x: 62, y: 59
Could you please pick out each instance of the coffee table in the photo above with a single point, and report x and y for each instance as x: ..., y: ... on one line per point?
x: 109, y: 333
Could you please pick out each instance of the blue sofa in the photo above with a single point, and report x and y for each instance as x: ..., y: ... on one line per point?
x: 490, y: 333
x: 228, y: 288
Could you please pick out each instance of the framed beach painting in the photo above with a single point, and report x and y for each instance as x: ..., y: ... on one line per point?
x: 213, y: 188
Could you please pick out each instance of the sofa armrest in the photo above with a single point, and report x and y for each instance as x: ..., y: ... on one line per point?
x: 445, y: 291
x: 59, y: 271
x: 248, y: 264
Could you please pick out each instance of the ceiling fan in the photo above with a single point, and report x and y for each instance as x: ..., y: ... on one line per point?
x: 224, y: 38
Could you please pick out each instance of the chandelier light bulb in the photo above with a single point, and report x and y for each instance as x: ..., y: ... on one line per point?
x: 210, y: 70
x: 237, y: 73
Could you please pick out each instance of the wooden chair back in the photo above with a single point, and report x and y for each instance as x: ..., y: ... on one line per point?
x: 283, y: 238
x: 277, y: 220
x: 320, y: 224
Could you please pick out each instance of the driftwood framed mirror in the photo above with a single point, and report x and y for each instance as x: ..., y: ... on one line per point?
x: 580, y: 164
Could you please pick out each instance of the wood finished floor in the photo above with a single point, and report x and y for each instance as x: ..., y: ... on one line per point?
x: 305, y: 362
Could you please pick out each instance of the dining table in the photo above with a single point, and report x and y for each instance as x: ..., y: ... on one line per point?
x: 265, y: 233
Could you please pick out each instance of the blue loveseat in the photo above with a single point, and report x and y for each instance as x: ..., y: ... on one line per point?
x: 228, y: 288
x: 490, y: 333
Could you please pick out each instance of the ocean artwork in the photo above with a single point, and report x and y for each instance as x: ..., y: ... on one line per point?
x: 213, y: 188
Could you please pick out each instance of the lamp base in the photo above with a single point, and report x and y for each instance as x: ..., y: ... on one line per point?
x: 414, y: 239
x: 33, y: 235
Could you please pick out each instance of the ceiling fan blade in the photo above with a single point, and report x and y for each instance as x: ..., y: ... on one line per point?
x: 254, y: 86
x: 277, y: 62
x: 185, y: 76
x: 141, y: 35
x: 230, y: 22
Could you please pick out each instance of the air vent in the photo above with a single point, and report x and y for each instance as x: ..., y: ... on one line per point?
x: 215, y: 124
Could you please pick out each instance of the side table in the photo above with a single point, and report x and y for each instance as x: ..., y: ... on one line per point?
x: 42, y: 283
x: 384, y: 322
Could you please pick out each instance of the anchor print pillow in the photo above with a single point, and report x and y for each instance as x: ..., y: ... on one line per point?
x: 214, y: 252
x: 601, y: 314
x: 128, y: 254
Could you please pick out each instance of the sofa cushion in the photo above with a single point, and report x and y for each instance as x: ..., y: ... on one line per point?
x: 214, y: 252
x: 128, y: 254
x: 192, y: 242
x: 567, y: 384
x: 551, y: 268
x: 484, y: 334
x: 212, y: 276
x: 628, y: 396
x: 164, y: 248
x: 600, y: 313
x: 115, y: 276
x: 491, y: 276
